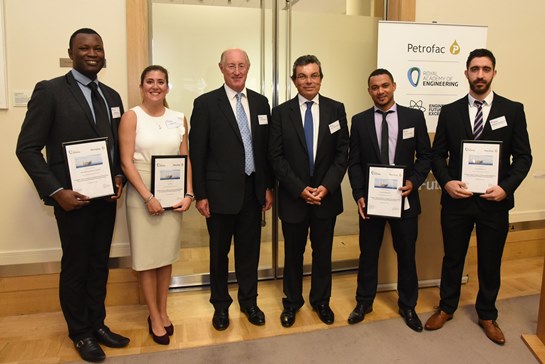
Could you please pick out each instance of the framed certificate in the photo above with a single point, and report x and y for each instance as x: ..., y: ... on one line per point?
x: 384, y: 197
x: 480, y: 164
x: 168, y: 179
x: 88, y: 166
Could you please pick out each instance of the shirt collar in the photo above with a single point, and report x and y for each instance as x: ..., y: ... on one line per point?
x: 487, y: 100
x: 231, y: 94
x: 81, y: 78
x: 392, y: 109
x: 302, y: 100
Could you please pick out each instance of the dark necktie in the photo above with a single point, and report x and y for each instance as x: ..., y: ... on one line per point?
x: 478, y: 126
x: 309, y: 135
x: 384, y: 147
x: 101, y: 115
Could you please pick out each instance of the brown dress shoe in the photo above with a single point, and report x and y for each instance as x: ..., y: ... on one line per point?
x: 492, y: 331
x: 437, y: 320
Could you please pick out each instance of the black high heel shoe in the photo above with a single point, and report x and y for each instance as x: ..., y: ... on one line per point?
x: 161, y: 340
x: 170, y: 329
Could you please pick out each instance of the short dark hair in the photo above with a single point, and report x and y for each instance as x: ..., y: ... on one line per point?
x: 81, y: 31
x: 481, y: 52
x: 153, y: 67
x: 303, y: 61
x: 377, y: 72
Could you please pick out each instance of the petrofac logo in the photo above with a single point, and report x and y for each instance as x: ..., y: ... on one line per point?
x: 413, y: 75
x: 455, y: 48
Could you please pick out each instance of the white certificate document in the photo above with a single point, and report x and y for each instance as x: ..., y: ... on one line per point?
x: 384, y: 197
x: 88, y: 167
x: 480, y: 164
x: 168, y: 179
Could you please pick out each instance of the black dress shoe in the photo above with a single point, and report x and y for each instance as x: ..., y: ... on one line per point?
x: 162, y: 339
x: 411, y: 318
x: 254, y: 314
x: 89, y: 350
x: 220, y: 320
x: 287, y: 318
x: 111, y: 339
x: 325, y: 314
x: 170, y: 329
x: 359, y: 312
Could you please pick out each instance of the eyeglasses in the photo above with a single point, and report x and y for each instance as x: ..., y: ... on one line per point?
x: 241, y: 67
x: 303, y: 77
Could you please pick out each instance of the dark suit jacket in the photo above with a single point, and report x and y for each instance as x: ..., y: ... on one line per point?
x: 289, y: 159
x: 364, y: 150
x: 454, y: 126
x: 57, y: 113
x: 217, y: 151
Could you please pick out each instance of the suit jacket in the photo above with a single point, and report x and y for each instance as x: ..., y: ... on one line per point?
x: 58, y: 112
x: 217, y: 151
x: 364, y: 150
x: 289, y: 159
x: 454, y: 126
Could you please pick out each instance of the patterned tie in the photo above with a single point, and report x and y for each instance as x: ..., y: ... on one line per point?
x: 309, y: 135
x: 242, y: 122
x: 101, y: 115
x: 478, y: 125
x: 384, y: 147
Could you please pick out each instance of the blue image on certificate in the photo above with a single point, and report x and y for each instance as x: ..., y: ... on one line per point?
x: 88, y: 161
x: 169, y: 174
x: 385, y: 183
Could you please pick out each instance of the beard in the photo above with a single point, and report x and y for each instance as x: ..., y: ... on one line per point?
x: 480, y: 87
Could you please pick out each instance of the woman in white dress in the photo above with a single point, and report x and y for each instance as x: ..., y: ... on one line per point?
x: 152, y: 129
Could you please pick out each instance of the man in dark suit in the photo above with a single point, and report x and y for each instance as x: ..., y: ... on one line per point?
x: 232, y: 182
x: 61, y: 110
x: 505, y: 122
x: 404, y: 136
x: 308, y: 148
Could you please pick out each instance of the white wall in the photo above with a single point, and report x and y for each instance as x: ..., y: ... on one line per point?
x: 513, y: 27
x: 37, y: 34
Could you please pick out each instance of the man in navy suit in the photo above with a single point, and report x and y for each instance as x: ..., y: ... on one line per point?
x: 61, y: 110
x: 481, y: 115
x: 406, y: 136
x: 232, y: 182
x: 308, y: 148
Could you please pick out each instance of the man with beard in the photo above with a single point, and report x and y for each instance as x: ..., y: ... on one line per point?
x: 481, y: 115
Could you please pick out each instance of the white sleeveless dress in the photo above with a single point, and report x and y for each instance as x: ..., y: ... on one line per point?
x: 154, y: 240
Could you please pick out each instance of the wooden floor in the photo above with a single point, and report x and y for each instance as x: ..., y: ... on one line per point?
x: 41, y: 338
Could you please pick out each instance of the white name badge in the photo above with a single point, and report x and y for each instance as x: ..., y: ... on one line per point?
x: 116, y: 113
x: 498, y: 123
x: 408, y: 133
x: 262, y: 119
x: 172, y: 124
x: 334, y: 127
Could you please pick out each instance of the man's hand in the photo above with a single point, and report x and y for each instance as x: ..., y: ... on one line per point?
x: 457, y: 189
x: 361, y: 207
x: 269, y: 198
x: 118, y: 182
x: 203, y: 207
x: 70, y: 200
x: 407, y: 189
x: 311, y: 196
x: 494, y: 193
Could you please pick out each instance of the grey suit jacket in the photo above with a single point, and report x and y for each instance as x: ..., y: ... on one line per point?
x: 57, y: 113
x: 289, y: 159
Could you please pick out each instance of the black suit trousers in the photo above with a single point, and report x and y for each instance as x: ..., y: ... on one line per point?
x: 245, y: 229
x: 491, y: 228
x: 86, y: 237
x: 404, y: 234
x: 295, y: 240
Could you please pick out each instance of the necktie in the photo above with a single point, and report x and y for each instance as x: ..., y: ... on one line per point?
x: 242, y: 122
x: 478, y: 125
x: 309, y: 135
x: 101, y: 115
x: 384, y: 147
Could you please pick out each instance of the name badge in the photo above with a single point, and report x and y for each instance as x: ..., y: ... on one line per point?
x: 172, y: 124
x: 334, y: 127
x: 408, y: 133
x: 498, y: 123
x: 116, y: 113
x: 262, y: 119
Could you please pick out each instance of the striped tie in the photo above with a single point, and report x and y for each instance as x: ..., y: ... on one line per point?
x: 478, y: 125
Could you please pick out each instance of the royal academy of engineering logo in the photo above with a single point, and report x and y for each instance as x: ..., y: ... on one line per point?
x: 413, y: 75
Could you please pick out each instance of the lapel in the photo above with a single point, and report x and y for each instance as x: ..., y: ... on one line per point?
x: 463, y: 108
x: 253, y: 114
x: 401, y: 124
x: 369, y: 121
x: 80, y: 100
x: 297, y: 121
x: 326, y: 118
x: 225, y: 106
x: 495, y: 112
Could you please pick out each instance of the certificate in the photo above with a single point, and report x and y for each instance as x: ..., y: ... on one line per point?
x: 168, y: 178
x: 480, y: 164
x: 384, y: 197
x: 88, y: 166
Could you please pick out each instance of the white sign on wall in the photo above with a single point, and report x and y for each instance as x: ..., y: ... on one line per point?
x: 428, y: 62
